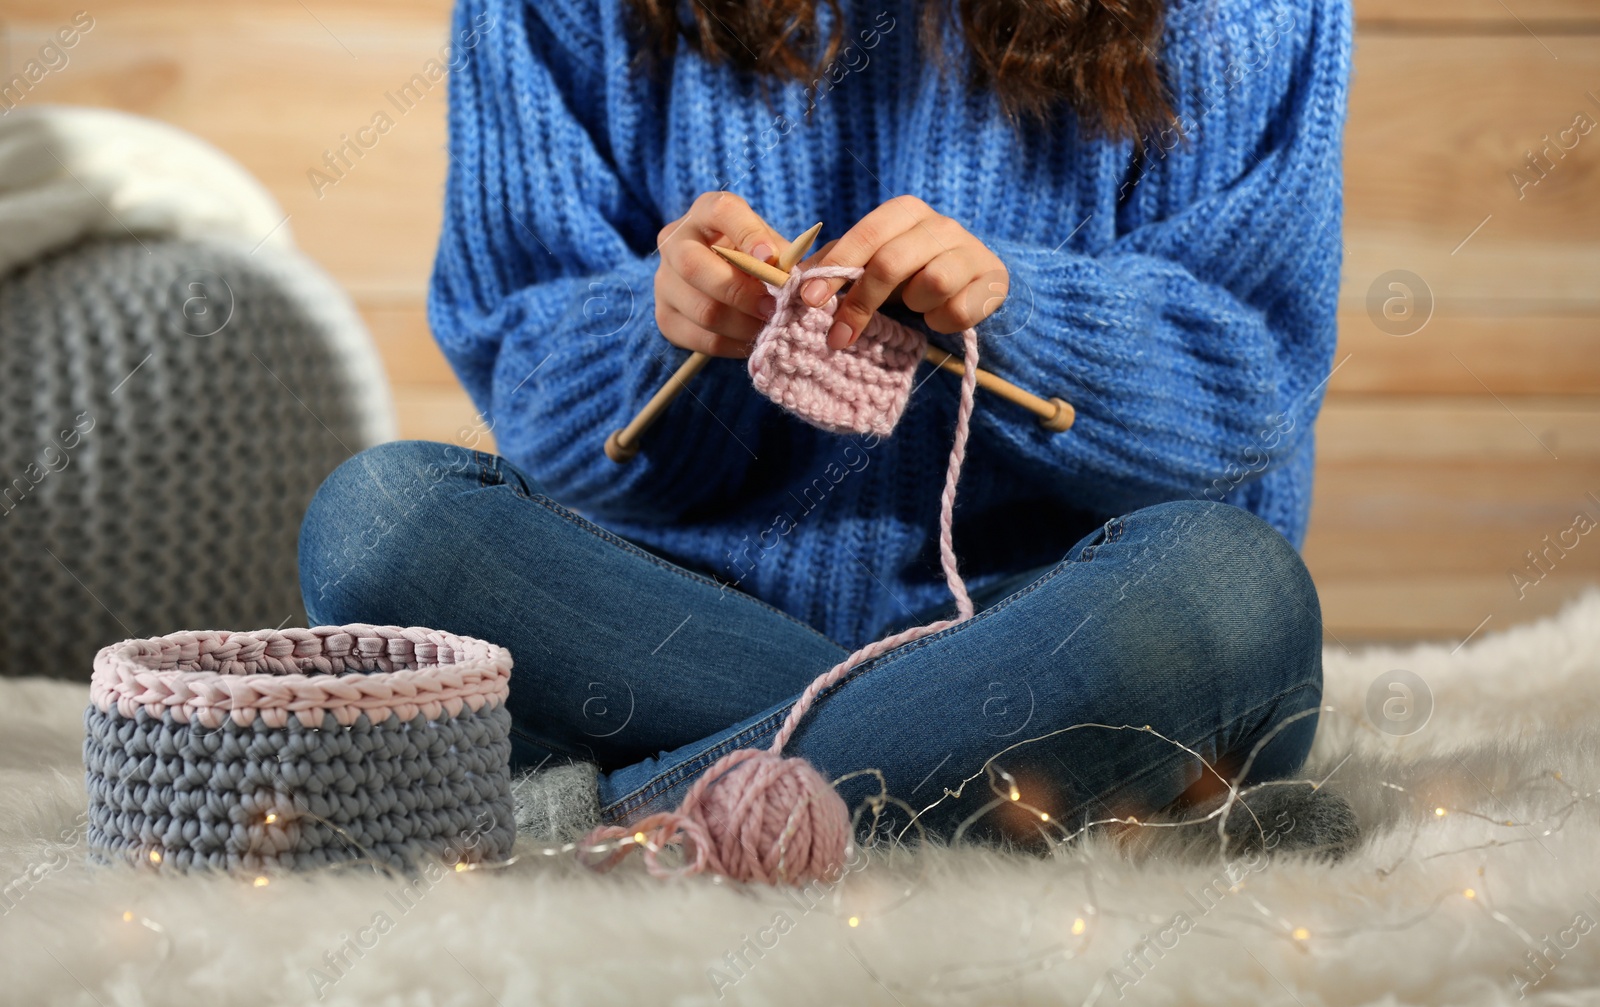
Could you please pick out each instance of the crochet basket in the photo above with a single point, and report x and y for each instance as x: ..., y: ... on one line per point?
x: 300, y: 748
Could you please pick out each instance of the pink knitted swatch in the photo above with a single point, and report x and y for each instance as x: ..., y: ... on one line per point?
x: 755, y: 815
x: 862, y: 388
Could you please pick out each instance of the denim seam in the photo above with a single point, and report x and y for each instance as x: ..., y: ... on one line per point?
x: 690, y: 767
x: 489, y: 464
x: 1114, y: 530
x: 552, y: 745
x: 768, y: 725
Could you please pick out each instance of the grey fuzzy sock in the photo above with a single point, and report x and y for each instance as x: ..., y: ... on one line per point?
x: 1274, y: 819
x: 1289, y: 817
x: 558, y: 804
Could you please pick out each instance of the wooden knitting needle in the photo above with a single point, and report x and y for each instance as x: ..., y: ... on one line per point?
x: 623, y: 444
x: 1054, y: 414
x: 798, y: 248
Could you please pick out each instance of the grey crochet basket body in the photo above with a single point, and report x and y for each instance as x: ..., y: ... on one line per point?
x: 167, y: 410
x: 300, y: 749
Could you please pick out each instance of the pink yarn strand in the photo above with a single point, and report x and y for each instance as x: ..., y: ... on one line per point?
x: 947, y: 559
x: 755, y: 815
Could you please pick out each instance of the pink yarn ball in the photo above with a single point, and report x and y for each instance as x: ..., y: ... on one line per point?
x: 771, y: 819
x: 755, y: 815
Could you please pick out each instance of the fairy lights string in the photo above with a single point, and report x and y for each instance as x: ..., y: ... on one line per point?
x: 1043, y: 918
x: 1005, y: 789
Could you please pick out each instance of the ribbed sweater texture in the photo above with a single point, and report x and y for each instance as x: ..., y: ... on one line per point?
x: 1182, y: 299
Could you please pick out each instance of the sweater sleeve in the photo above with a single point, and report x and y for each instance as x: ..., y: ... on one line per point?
x: 1195, y: 343
x: 542, y: 293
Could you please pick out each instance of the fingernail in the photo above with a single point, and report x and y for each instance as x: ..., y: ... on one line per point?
x: 762, y: 251
x: 815, y: 292
x: 767, y: 306
x: 839, y: 336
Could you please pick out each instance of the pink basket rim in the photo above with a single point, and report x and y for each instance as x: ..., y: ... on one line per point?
x: 215, y: 675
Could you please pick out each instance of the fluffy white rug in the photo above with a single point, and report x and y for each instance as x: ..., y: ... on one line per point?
x: 1433, y: 908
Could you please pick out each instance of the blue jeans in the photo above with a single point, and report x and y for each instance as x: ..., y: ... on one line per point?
x: 1194, y: 618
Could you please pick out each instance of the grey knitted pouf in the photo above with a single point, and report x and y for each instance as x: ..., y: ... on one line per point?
x: 167, y: 410
x: 300, y: 748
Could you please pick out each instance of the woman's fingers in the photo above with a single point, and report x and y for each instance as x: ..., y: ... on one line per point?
x: 941, y: 271
x: 685, y: 332
x: 972, y: 304
x: 702, y: 302
x: 721, y: 218
x: 713, y: 276
x: 901, y: 259
x: 684, y: 312
x: 944, y: 276
x: 857, y: 246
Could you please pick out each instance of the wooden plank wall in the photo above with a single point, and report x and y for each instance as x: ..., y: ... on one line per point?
x: 1449, y: 453
x: 1446, y: 453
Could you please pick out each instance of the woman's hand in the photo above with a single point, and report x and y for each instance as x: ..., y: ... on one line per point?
x: 949, y: 277
x: 702, y: 302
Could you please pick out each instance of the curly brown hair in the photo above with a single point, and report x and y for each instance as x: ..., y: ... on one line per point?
x: 1095, y: 58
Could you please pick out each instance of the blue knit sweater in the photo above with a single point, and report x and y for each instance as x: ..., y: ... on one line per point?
x: 1183, y: 301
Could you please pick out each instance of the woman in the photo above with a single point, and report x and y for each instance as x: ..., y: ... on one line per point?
x: 1136, y: 203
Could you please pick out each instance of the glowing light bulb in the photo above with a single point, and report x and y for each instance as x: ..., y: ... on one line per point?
x: 638, y: 837
x: 854, y: 921
x: 127, y: 916
x: 461, y: 867
x: 1300, y: 934
x: 155, y: 856
x: 1044, y: 816
x: 272, y: 816
x: 260, y: 882
x: 1469, y: 893
x: 1016, y: 795
x: 1440, y: 812
x: 1079, y: 926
